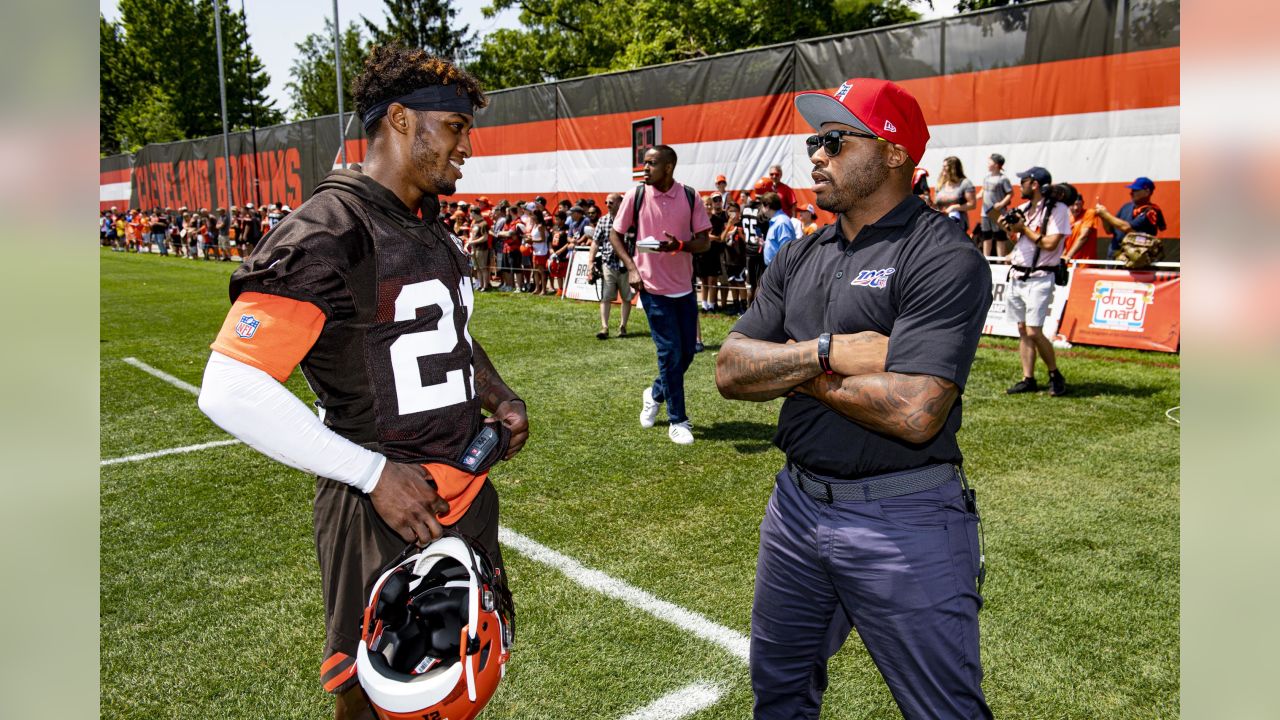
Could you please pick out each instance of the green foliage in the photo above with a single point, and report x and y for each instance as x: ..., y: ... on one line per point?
x: 210, y: 598
x: 312, y: 90
x: 426, y: 24
x: 566, y: 38
x: 148, y: 118
x: 111, y: 56
x: 963, y: 6
x: 170, y: 45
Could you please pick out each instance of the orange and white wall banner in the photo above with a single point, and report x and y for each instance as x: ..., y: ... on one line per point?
x: 1124, y: 308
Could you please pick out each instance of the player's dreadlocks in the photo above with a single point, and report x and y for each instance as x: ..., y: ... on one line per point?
x: 393, y: 70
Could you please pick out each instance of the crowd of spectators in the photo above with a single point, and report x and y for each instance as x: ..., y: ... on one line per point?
x: 201, y: 234
x: 525, y: 246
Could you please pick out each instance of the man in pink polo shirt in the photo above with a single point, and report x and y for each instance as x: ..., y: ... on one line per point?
x: 672, y: 215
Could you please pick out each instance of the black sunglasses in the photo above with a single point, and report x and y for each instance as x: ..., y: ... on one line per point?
x: 831, y: 140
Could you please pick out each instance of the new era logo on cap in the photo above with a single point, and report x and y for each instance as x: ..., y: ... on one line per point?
x: 889, y: 127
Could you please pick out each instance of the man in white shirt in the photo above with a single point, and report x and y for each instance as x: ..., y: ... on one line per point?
x: 1039, y: 231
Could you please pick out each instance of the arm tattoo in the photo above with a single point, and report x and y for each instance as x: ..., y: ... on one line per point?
x: 489, y: 386
x: 758, y: 370
x: 909, y: 407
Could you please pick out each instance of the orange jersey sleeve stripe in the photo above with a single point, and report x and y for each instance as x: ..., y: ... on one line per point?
x: 457, y: 487
x: 269, y: 332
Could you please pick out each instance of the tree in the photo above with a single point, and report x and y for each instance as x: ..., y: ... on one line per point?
x: 312, y: 89
x: 110, y: 85
x: 147, y: 118
x: 426, y: 24
x: 567, y: 38
x: 169, y: 45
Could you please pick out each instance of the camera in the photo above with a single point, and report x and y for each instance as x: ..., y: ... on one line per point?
x: 1011, y: 217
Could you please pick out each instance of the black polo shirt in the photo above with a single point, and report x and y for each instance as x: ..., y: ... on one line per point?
x: 911, y: 275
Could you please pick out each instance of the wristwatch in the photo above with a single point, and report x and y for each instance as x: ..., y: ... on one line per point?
x: 824, y: 353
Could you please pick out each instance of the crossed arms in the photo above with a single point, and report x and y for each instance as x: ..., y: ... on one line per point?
x: 909, y: 407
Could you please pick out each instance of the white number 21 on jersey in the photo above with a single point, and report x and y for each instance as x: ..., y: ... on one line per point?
x: 411, y: 395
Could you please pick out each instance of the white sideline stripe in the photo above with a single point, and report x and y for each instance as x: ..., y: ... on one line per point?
x: 170, y: 451
x: 734, y: 642
x: 681, y: 703
x: 180, y: 384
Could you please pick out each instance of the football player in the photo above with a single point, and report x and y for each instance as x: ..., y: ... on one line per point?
x: 367, y: 290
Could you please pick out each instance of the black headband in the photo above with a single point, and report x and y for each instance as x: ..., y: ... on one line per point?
x: 441, y: 98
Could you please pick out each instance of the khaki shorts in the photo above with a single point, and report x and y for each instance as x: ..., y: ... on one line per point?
x: 354, y: 546
x: 1029, y: 300
x: 615, y: 281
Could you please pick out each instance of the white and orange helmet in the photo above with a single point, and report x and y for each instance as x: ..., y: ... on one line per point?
x: 437, y: 634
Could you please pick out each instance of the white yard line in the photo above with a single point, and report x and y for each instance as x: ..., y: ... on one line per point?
x: 679, y: 704
x: 180, y: 384
x: 672, y: 706
x: 170, y: 451
x: 734, y: 642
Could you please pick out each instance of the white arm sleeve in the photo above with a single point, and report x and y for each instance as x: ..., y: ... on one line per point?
x: 251, y: 405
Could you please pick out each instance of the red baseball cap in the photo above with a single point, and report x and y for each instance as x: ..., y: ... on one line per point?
x: 721, y: 178
x: 879, y: 107
x: 764, y: 184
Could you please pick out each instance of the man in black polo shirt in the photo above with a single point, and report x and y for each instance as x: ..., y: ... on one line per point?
x: 869, y: 328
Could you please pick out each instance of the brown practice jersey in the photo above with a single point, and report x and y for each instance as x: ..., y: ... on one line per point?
x: 392, y: 365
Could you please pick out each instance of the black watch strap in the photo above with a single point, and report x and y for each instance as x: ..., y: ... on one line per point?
x: 824, y: 353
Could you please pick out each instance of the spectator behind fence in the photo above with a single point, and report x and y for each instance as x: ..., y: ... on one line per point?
x: 808, y: 216
x: 754, y: 225
x: 1040, y: 225
x: 708, y: 266
x: 1138, y: 215
x: 560, y: 247
x: 955, y: 195
x: 784, y: 190
x: 920, y: 186
x: 996, y: 193
x: 780, y: 230
x: 735, y: 260
x: 607, y: 269
x: 1083, y: 243
x: 478, y: 246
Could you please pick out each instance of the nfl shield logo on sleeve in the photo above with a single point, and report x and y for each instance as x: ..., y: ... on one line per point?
x: 247, y: 326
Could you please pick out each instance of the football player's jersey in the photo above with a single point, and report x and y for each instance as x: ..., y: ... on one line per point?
x: 392, y: 363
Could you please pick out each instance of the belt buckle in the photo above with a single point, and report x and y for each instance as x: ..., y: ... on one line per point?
x: 831, y: 498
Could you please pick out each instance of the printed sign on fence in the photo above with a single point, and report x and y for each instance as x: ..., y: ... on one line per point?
x: 577, y: 286
x: 998, y: 320
x: 1124, y: 308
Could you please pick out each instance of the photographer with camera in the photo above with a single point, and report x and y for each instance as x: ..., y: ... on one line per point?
x: 1038, y: 227
x: 608, y: 270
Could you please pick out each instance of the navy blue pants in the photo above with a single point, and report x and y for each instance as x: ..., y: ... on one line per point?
x: 673, y: 322
x: 901, y: 570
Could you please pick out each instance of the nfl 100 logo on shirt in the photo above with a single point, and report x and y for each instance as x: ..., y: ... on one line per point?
x: 872, y: 278
x: 1121, y: 305
x: 247, y: 326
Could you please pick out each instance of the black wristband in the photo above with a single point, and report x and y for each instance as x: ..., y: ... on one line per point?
x: 824, y: 353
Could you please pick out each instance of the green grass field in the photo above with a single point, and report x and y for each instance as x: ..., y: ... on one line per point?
x: 210, y: 595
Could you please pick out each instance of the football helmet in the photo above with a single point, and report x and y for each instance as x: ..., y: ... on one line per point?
x: 437, y: 633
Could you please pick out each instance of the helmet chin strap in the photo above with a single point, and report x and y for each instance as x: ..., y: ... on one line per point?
x: 469, y: 660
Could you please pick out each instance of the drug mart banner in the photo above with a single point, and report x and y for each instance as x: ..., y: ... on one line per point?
x: 998, y: 320
x: 1124, y: 308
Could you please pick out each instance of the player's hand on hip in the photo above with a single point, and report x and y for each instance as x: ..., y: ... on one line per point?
x: 408, y: 503
x: 859, y: 353
x: 514, y: 416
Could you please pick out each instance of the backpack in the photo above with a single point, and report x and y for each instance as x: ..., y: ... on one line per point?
x: 632, y: 234
x: 1140, y: 250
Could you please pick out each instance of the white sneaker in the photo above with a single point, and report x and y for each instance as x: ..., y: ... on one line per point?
x: 680, y: 433
x: 648, y: 408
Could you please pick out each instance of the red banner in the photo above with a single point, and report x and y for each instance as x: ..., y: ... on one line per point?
x: 1124, y: 308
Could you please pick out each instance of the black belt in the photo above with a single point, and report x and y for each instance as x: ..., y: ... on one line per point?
x: 878, y: 487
